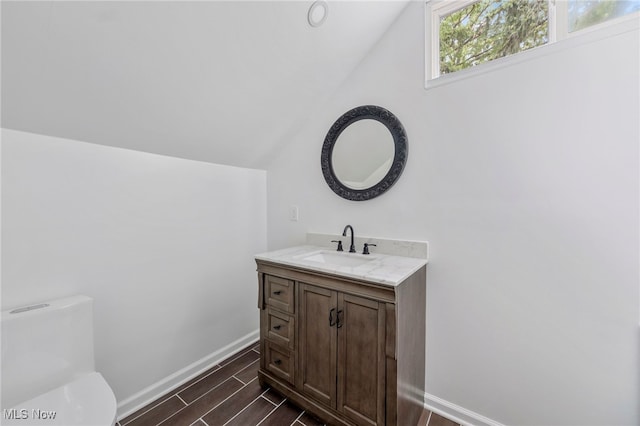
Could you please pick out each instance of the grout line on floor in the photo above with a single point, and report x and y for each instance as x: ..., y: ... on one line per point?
x: 267, y: 399
x: 221, y: 402
x: 247, y: 406
x: 216, y: 386
x: 183, y: 401
x: 293, y: 423
x: 270, y: 413
x: 209, y: 372
x: 246, y: 368
x: 276, y: 407
x: 161, y: 400
x: 201, y: 396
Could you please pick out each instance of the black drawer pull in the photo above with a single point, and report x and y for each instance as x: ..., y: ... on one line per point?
x: 277, y: 293
x: 338, y: 321
x: 277, y: 362
x: 277, y: 327
x: 331, y: 323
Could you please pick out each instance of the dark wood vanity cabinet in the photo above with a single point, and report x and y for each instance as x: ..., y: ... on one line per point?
x: 348, y: 351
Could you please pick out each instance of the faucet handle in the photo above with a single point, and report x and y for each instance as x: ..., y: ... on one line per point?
x: 339, y: 244
x: 366, y: 248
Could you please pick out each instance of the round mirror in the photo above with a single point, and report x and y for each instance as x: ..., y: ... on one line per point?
x: 364, y: 153
x: 354, y: 170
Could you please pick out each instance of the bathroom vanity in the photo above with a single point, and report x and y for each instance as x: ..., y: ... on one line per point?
x: 343, y: 334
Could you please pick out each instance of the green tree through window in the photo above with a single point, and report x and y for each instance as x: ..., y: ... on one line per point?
x: 585, y: 13
x: 491, y: 29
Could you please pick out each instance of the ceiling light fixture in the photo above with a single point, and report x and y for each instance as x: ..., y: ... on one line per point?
x: 318, y: 13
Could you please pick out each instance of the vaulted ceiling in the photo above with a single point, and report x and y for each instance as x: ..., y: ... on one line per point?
x: 218, y: 81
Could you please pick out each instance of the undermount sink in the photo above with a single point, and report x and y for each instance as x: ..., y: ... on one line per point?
x: 336, y: 258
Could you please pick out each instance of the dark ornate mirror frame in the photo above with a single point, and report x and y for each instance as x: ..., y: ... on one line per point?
x: 400, y: 151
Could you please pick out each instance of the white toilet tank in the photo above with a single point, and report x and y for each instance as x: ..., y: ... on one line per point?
x: 45, y: 346
x: 47, y: 360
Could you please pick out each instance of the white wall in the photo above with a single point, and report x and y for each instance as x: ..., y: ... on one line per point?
x: 525, y: 183
x: 165, y: 247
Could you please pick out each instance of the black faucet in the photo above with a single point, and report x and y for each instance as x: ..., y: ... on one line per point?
x: 352, y: 249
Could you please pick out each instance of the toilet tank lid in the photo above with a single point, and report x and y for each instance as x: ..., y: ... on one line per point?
x: 39, y: 308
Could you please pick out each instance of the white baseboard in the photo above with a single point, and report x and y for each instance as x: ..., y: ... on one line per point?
x: 456, y: 413
x: 158, y: 389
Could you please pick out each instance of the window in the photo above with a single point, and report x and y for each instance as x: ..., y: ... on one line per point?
x: 489, y: 29
x: 464, y: 33
x: 583, y: 14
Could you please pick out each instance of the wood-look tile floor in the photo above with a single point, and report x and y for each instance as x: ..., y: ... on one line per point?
x: 229, y: 394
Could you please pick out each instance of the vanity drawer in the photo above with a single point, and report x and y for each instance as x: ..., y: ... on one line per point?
x: 279, y: 361
x: 280, y: 328
x: 279, y: 293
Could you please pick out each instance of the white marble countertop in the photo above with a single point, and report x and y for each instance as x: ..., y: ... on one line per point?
x: 377, y: 268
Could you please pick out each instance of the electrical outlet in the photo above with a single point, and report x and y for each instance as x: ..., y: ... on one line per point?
x: 293, y: 213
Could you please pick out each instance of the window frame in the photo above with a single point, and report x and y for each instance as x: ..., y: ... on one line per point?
x: 559, y: 38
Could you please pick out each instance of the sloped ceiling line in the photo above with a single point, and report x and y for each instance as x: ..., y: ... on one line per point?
x: 221, y: 81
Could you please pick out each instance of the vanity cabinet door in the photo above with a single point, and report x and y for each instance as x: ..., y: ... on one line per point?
x: 361, y: 359
x: 317, y: 343
x: 342, y: 352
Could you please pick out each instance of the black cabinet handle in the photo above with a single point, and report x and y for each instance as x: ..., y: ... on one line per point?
x: 277, y: 362
x: 331, y: 323
x: 277, y: 327
x: 338, y: 322
x: 277, y: 293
